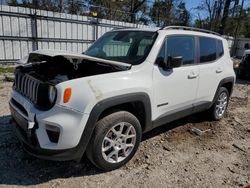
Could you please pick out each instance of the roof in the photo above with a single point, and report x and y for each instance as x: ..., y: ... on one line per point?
x: 138, y: 29
x: 191, y: 29
x: 175, y: 30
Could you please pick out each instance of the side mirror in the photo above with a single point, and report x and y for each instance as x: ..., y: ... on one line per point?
x: 174, y: 62
x: 160, y: 62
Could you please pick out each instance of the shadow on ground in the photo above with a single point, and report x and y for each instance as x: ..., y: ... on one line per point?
x: 19, y: 168
x: 244, y: 82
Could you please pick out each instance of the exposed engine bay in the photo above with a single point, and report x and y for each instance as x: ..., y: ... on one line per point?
x: 36, y: 78
x: 58, y: 69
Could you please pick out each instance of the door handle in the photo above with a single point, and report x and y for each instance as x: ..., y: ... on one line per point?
x: 192, y: 75
x: 219, y: 70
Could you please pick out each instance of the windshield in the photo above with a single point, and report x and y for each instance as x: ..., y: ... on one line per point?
x: 125, y: 46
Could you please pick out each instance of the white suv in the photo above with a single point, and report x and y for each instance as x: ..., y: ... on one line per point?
x: 127, y: 83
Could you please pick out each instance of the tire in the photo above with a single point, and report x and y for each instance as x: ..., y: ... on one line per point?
x: 115, y: 140
x: 219, y: 108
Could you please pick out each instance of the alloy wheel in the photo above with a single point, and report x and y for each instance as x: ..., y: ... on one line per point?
x: 119, y: 142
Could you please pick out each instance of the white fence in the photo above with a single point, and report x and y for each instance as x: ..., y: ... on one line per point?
x: 23, y: 30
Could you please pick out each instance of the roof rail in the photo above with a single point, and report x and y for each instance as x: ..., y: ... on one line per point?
x: 190, y: 29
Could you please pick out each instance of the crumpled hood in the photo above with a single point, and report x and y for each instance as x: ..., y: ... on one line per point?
x: 72, y: 55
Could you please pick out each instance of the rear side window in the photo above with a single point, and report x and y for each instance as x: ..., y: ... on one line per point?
x: 220, y: 48
x: 207, y: 49
x: 181, y: 46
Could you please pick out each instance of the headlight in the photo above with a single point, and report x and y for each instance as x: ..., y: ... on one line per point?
x: 52, y: 94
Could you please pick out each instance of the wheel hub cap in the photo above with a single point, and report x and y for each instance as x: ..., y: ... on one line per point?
x: 119, y: 142
x: 221, y: 104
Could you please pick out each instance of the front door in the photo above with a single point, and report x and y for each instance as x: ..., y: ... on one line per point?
x: 175, y: 89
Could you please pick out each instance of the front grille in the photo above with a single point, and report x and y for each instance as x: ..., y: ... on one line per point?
x: 26, y: 85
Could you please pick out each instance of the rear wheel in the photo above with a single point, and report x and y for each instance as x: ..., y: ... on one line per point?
x: 115, y: 140
x: 219, y: 107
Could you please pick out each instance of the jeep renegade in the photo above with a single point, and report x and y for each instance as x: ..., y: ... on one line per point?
x: 127, y: 83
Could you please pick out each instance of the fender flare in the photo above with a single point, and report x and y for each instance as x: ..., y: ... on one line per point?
x: 230, y: 79
x: 105, y: 104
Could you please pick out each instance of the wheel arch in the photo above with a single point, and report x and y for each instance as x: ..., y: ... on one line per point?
x: 228, y: 83
x: 138, y: 104
x: 105, y: 106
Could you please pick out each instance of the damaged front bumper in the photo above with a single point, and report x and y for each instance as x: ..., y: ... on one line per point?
x: 31, y: 127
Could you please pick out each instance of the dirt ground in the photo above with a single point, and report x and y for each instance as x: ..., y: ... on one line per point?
x: 169, y: 156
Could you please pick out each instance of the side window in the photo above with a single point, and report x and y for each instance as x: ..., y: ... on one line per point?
x: 207, y: 49
x: 220, y: 48
x: 181, y: 46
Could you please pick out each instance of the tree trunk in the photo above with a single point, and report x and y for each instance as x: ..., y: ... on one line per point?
x: 61, y: 5
x: 132, y: 11
x: 225, y: 16
x: 236, y: 3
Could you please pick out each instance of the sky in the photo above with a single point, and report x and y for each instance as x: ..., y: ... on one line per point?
x: 192, y: 3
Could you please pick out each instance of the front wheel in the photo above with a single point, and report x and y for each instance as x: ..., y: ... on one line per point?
x: 115, y: 140
x: 219, y: 107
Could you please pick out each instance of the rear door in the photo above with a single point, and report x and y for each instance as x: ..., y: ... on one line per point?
x: 211, y: 65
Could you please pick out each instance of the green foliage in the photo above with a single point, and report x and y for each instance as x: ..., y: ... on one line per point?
x: 74, y: 6
x: 169, y: 12
x: 7, y: 70
x: 121, y: 10
x: 183, y: 16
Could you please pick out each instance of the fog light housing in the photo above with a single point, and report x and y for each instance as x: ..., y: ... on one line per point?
x: 53, y: 133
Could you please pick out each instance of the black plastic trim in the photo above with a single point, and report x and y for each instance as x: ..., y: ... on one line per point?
x: 180, y: 113
x: 162, y: 104
x: 230, y: 79
x: 173, y: 115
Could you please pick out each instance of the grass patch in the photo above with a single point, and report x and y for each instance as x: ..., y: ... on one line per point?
x: 7, y: 70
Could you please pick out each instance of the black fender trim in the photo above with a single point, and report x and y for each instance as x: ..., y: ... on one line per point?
x: 105, y: 104
x: 230, y: 79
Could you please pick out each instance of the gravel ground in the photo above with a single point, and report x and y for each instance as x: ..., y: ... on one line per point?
x: 169, y: 156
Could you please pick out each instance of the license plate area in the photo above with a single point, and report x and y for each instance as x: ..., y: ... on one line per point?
x: 21, y: 121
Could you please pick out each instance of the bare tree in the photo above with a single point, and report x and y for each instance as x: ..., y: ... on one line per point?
x: 225, y: 16
x: 236, y: 3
